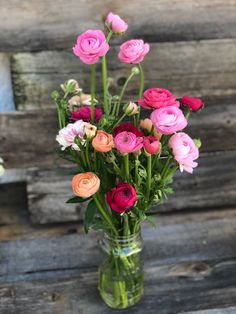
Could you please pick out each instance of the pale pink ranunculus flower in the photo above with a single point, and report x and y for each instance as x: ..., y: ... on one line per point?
x: 154, y: 98
x: 127, y: 142
x: 133, y: 51
x: 116, y: 24
x: 184, y: 150
x: 90, y: 46
x: 168, y: 120
x: 66, y: 136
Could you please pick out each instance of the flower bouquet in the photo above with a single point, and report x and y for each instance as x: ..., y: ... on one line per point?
x: 124, y: 165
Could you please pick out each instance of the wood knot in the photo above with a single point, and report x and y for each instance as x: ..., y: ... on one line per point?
x: 191, y: 270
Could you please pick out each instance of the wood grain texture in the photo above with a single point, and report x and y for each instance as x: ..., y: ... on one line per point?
x: 188, y: 267
x: 40, y: 25
x: 183, y: 67
x: 48, y: 190
x: 33, y: 133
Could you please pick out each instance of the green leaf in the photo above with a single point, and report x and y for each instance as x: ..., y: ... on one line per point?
x: 89, y: 215
x: 151, y: 220
x: 76, y: 199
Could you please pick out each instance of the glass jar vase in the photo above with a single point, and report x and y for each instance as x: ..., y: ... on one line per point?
x: 121, y: 273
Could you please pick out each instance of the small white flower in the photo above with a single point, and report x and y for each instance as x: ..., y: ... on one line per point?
x: 67, y: 135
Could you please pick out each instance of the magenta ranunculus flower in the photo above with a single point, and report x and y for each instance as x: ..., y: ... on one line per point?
x: 151, y: 144
x: 116, y: 24
x: 84, y: 113
x: 184, y: 150
x: 193, y: 103
x: 90, y: 46
x: 154, y: 98
x: 128, y: 142
x: 133, y: 51
x: 168, y: 120
x: 122, y: 197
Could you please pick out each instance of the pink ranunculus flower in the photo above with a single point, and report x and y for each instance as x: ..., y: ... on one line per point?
x: 151, y: 144
x: 193, y: 103
x: 84, y: 113
x: 154, y: 98
x: 127, y: 142
x: 116, y: 24
x: 66, y: 136
x: 90, y: 46
x: 168, y: 120
x: 133, y: 51
x: 184, y: 150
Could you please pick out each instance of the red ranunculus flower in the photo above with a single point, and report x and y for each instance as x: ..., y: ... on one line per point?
x: 151, y: 144
x: 128, y: 127
x: 84, y: 113
x: 122, y: 197
x: 193, y: 103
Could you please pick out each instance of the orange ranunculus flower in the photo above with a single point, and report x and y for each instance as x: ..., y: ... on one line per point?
x: 85, y: 184
x: 103, y: 142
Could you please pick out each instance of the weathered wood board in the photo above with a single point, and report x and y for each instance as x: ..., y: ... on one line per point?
x: 183, y: 67
x: 40, y: 25
x: 33, y: 133
x: 6, y: 92
x: 188, y: 267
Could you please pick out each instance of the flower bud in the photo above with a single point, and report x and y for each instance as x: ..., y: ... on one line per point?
x: 146, y: 124
x: 135, y: 70
x: 55, y: 95
x: 197, y: 142
x: 90, y: 130
x: 131, y: 109
x: 71, y: 87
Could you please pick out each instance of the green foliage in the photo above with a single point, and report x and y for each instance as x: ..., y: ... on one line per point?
x: 89, y: 215
x: 76, y: 199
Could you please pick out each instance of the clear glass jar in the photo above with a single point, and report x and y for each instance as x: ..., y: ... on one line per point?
x: 121, y: 273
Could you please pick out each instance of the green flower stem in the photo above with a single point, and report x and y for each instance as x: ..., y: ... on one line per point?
x: 59, y: 115
x: 149, y: 174
x: 92, y: 88
x: 105, y: 215
x: 136, y: 163
x: 119, y: 121
x: 126, y: 225
x: 187, y: 114
x: 141, y: 88
x: 155, y: 159
x: 123, y: 91
x: 87, y: 154
x: 109, y: 36
x: 126, y: 165
x: 167, y: 164
x: 95, y: 160
x: 104, y: 80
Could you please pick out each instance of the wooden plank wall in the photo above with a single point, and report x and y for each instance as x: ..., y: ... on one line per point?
x: 193, y: 51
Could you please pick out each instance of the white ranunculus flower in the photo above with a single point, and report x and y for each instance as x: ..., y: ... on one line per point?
x: 67, y: 135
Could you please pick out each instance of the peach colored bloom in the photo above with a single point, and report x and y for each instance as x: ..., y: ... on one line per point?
x: 146, y: 124
x: 157, y: 134
x: 90, y: 130
x: 103, y: 142
x: 85, y: 184
x: 84, y: 99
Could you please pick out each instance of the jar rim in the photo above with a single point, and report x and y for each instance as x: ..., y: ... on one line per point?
x: 122, y: 239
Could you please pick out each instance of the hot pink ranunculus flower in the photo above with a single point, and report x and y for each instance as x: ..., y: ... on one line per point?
x: 133, y: 51
x: 67, y: 135
x: 84, y: 113
x: 117, y: 25
x: 127, y: 142
x: 168, y: 120
x: 90, y: 46
x: 193, y: 103
x: 154, y: 98
x: 151, y: 144
x: 184, y: 150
